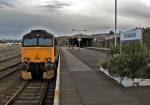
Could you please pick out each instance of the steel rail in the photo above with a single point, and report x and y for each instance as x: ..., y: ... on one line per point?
x: 15, y: 67
x: 43, y: 98
x: 10, y: 66
x: 44, y: 85
x: 13, y: 98
x: 8, y: 58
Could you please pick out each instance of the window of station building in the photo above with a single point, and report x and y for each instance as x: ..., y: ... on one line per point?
x: 45, y: 41
x: 30, y: 42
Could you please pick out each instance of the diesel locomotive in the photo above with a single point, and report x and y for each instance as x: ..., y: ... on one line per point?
x: 39, y: 55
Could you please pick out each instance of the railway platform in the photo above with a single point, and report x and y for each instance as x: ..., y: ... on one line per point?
x: 82, y: 84
x: 68, y: 94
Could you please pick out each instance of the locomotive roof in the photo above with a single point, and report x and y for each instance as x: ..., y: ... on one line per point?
x: 38, y: 33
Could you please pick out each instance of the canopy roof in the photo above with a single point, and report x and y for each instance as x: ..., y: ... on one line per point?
x: 81, y: 36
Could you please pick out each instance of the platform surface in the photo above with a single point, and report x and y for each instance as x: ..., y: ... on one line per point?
x: 83, y: 84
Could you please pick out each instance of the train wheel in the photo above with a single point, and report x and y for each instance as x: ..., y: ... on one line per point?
x: 50, y: 74
x: 26, y: 75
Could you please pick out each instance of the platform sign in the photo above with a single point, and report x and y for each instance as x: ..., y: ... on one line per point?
x: 79, y: 39
x: 135, y: 34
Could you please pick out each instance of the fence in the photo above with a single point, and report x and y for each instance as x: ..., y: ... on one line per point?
x: 9, y: 50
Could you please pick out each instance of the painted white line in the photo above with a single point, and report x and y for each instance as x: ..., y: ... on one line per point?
x: 57, y: 89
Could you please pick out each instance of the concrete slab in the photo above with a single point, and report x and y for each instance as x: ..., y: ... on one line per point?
x: 81, y: 85
x: 76, y: 64
x: 68, y: 95
x: 94, y: 90
x: 91, y: 57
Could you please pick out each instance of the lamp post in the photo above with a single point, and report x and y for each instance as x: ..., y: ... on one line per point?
x: 94, y: 42
x: 79, y: 39
x: 115, y: 22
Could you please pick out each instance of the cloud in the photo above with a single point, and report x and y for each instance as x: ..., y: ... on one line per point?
x: 6, y: 3
x: 135, y: 10
x: 57, y: 23
x: 131, y: 13
x: 61, y: 16
x: 51, y: 4
x: 56, y: 5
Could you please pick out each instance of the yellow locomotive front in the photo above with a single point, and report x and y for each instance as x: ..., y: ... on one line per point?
x: 38, y: 55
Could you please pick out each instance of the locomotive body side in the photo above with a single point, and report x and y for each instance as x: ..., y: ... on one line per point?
x: 38, y: 54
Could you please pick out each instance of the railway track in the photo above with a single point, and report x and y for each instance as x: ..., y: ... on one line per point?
x: 9, y: 70
x: 33, y: 93
x: 9, y: 58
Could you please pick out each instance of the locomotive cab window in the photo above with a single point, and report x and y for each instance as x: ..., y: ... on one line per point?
x: 45, y: 41
x: 30, y: 42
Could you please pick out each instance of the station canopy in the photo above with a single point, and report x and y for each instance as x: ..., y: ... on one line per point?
x: 86, y: 40
x: 81, y: 36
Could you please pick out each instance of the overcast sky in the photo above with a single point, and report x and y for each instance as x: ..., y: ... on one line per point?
x: 18, y: 17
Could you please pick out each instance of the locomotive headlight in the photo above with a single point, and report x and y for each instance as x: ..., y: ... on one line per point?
x: 25, y: 59
x: 48, y: 59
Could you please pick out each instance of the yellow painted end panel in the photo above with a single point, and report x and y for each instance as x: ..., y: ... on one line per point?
x: 37, y: 54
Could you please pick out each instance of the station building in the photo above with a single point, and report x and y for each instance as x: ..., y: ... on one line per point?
x: 86, y: 40
x: 105, y: 40
x: 139, y: 35
x: 63, y: 40
x: 146, y: 36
